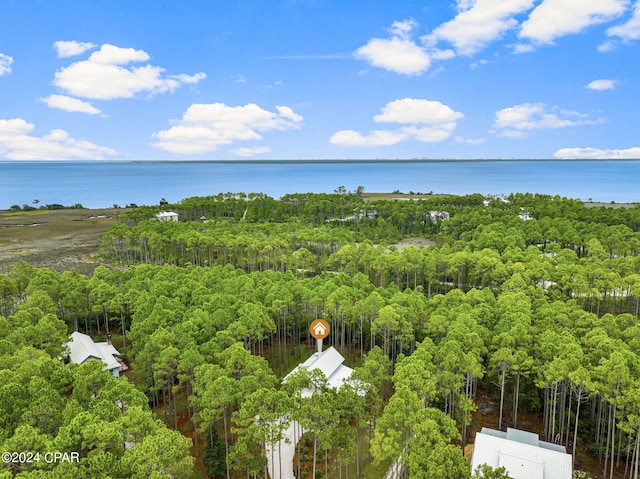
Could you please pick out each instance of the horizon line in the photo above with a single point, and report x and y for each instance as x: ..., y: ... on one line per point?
x: 307, y: 160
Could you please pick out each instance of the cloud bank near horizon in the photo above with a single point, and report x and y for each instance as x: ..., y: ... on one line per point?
x: 427, y: 121
x: 18, y: 143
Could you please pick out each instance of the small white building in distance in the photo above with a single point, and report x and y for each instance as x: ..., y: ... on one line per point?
x: 435, y: 216
x: 360, y: 214
x: 500, y: 198
x: 82, y: 349
x: 167, y: 216
x: 522, y: 454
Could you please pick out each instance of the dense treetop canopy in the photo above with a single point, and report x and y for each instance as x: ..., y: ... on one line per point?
x: 532, y: 299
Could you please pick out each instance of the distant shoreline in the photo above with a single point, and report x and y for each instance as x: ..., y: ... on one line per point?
x: 365, y: 161
x: 106, y: 183
x: 336, y: 161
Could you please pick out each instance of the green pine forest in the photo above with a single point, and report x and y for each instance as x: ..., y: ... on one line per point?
x: 530, y: 302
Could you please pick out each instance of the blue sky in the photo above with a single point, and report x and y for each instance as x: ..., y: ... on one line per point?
x: 305, y: 79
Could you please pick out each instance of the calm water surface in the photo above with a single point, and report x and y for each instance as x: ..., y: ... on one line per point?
x: 103, y: 184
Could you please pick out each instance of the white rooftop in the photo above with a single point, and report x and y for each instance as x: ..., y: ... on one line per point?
x: 329, y: 362
x: 522, y: 454
x: 82, y: 348
x: 167, y: 216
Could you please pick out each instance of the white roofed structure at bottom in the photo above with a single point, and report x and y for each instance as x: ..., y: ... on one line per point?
x: 522, y: 454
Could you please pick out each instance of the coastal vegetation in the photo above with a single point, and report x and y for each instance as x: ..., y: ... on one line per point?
x: 53, y: 206
x: 529, y: 300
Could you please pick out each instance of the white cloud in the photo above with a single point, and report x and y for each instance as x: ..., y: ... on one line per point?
x: 249, y: 152
x: 555, y: 18
x: 206, y: 127
x: 601, y: 85
x: 429, y: 122
x: 238, y: 78
x: 414, y: 110
x: 598, y: 154
x: 288, y: 113
x: 17, y: 143
x: 478, y: 64
x: 189, y: 79
x: 431, y: 134
x: 629, y: 30
x: 112, y: 55
x: 71, y: 48
x: 399, y: 53
x: 438, y: 54
x: 523, y: 48
x: 478, y: 23
x: 464, y: 5
x: 103, y: 76
x: 70, y: 104
x: 512, y: 134
x: 374, y: 138
x: 607, y: 46
x: 518, y: 120
x: 470, y: 141
x: 403, y: 28
x: 5, y: 64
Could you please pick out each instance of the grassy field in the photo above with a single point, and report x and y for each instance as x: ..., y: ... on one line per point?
x: 58, y: 239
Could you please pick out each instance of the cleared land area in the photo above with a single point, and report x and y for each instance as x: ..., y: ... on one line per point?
x: 58, y: 239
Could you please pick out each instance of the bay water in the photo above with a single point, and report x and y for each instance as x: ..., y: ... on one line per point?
x: 102, y: 184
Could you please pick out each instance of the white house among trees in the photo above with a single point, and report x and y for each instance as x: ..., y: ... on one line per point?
x: 329, y: 362
x: 82, y: 349
x: 167, y: 216
x: 435, y: 216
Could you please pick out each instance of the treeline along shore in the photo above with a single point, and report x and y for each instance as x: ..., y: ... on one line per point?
x: 526, y: 305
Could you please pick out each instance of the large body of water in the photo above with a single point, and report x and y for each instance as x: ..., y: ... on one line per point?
x: 104, y: 184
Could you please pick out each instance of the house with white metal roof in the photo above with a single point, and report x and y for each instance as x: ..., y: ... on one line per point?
x: 329, y: 362
x: 82, y: 349
x: 522, y: 454
x: 167, y: 216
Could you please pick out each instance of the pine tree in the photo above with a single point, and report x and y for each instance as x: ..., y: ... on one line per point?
x: 214, y: 459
